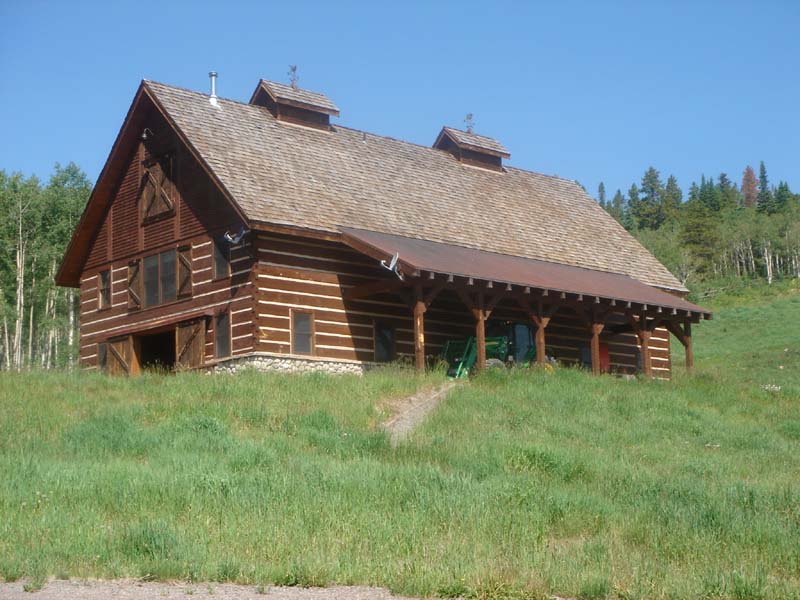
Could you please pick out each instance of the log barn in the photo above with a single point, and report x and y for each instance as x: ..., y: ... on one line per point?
x: 223, y: 234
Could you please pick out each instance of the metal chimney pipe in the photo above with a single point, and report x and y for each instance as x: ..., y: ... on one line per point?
x: 213, y: 76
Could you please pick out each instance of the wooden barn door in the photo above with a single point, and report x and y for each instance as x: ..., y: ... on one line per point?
x: 120, y: 357
x: 190, y: 344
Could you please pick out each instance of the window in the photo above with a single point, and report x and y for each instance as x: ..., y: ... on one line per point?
x: 222, y: 335
x: 384, y: 343
x: 222, y: 259
x: 104, y: 289
x: 167, y: 275
x: 157, y: 187
x: 302, y: 332
x: 160, y: 278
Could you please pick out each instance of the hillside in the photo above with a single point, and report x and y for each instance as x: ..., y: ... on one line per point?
x: 521, y: 484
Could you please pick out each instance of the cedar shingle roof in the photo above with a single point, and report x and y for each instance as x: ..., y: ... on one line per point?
x: 286, y: 174
x: 308, y: 98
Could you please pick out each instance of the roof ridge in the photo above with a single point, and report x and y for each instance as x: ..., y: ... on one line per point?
x: 353, y: 129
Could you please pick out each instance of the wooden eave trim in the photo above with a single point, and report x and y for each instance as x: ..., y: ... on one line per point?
x: 307, y: 232
x: 62, y: 278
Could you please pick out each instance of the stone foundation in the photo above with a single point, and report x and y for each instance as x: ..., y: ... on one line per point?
x: 290, y: 364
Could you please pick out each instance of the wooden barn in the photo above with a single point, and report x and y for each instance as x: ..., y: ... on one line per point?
x: 223, y: 234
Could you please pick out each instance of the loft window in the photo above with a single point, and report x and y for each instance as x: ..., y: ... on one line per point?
x: 302, y: 332
x: 160, y: 278
x: 157, y: 187
x: 222, y: 259
x: 222, y: 335
x: 104, y: 289
x: 384, y: 343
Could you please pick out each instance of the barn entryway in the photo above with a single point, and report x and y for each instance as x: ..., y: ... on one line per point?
x: 156, y: 351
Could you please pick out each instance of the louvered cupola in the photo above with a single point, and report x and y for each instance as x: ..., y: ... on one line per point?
x: 294, y: 105
x: 472, y: 149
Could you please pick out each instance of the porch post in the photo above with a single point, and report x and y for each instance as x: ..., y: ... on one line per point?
x: 644, y: 338
x: 480, y: 334
x: 687, y: 332
x: 597, y: 328
x: 419, y: 329
x: 541, y: 323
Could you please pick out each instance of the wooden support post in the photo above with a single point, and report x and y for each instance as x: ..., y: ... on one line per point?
x: 644, y: 338
x: 597, y: 328
x: 419, y: 329
x: 480, y: 334
x: 687, y: 332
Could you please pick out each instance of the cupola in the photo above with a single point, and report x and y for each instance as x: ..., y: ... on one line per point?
x: 472, y: 149
x: 294, y: 105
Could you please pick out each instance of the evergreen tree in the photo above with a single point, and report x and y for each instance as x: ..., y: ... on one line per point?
x: 766, y: 202
x: 601, y: 194
x: 709, y: 194
x: 672, y: 199
x: 648, y: 211
x: 782, y: 197
x: 616, y: 208
x: 728, y: 194
x: 699, y: 234
x: 749, y: 187
x: 628, y: 216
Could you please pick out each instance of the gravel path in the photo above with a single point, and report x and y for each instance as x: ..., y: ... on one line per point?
x: 131, y: 589
x: 411, y: 411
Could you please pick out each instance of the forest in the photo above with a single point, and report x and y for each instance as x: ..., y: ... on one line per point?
x: 718, y: 234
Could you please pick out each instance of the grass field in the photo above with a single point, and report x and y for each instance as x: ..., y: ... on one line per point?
x: 521, y: 485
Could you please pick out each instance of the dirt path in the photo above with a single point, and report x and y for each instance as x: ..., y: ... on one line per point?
x: 411, y: 411
x: 130, y: 589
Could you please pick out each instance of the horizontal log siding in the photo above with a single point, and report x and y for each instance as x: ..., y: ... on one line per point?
x: 307, y: 274
x: 235, y: 292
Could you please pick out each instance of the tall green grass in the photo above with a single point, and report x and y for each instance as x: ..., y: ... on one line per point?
x: 521, y: 484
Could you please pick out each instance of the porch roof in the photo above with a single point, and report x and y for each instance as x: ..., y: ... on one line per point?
x: 416, y: 256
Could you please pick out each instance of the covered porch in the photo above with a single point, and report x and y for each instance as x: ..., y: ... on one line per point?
x: 592, y: 310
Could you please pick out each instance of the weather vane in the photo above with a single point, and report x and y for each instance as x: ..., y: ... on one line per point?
x: 292, y: 73
x: 470, y: 123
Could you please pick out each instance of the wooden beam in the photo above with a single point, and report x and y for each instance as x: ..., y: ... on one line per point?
x: 433, y: 292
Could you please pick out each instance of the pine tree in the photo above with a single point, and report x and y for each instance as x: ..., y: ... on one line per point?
x: 728, y: 194
x: 672, y: 199
x: 699, y: 234
x: 616, y: 208
x: 628, y: 216
x: 601, y: 194
x: 749, y: 187
x: 648, y: 212
x: 783, y: 196
x: 709, y: 194
x: 766, y: 202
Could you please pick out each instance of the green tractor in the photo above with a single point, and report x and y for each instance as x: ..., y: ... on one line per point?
x: 514, y: 344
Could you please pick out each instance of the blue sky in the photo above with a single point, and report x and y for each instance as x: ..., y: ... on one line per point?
x: 586, y: 90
